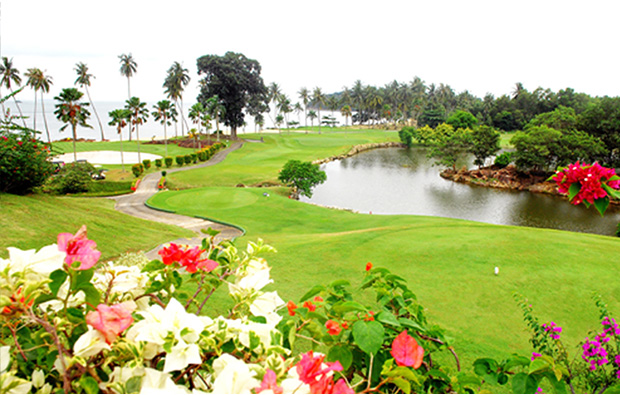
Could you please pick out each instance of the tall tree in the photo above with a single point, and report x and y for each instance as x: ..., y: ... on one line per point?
x: 346, y: 113
x: 304, y: 95
x: 237, y: 81
x: 164, y: 112
x: 38, y: 81
x: 120, y: 118
x: 11, y: 75
x: 83, y: 80
x: 174, y: 84
x: 215, y: 108
x: 128, y: 68
x: 71, y: 111
x: 318, y: 98
x: 138, y: 115
x: 273, y: 96
x: 197, y: 114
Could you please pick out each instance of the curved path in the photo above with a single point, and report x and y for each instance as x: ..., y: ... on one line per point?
x: 134, y: 204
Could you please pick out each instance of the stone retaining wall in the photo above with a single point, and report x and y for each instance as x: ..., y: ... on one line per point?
x: 357, y: 149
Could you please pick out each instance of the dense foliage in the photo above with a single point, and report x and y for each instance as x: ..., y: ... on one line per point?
x: 74, y: 177
x: 302, y: 176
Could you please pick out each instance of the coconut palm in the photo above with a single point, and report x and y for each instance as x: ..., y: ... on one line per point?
x: 284, y: 105
x: 11, y: 75
x: 71, y: 111
x: 83, y: 80
x: 196, y: 114
x: 120, y: 119
x: 128, y: 68
x: 298, y: 109
x: 304, y: 95
x: 346, y: 113
x: 139, y: 115
x: 39, y: 81
x: 319, y: 99
x: 259, y: 121
x: 174, y: 84
x: 357, y: 95
x: 216, y: 109
x: 164, y: 112
x: 312, y: 116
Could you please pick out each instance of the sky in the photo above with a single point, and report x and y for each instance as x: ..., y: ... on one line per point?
x: 479, y: 46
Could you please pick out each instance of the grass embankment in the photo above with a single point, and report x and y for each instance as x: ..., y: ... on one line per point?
x: 448, y: 263
x: 34, y: 221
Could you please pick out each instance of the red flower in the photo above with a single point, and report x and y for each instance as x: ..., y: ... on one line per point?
x: 368, y: 266
x: 318, y: 299
x: 111, y: 320
x: 309, y: 305
x: 317, y: 374
x: 189, y: 259
x: 171, y: 254
x: 333, y: 328
x: 406, y: 351
x: 291, y: 308
x: 370, y: 316
x: 345, y: 325
x: 79, y: 248
x: 19, y: 302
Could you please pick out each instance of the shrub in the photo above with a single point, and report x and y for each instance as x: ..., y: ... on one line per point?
x: 194, y: 158
x: 503, y: 159
x: 163, y: 173
x: 406, y: 135
x: 202, y: 156
x: 180, y: 160
x: 618, y: 230
x: 162, y: 183
x: 188, y: 159
x: 137, y: 169
x: 73, y: 178
x: 168, y: 161
x: 146, y: 163
x: 158, y: 163
x: 24, y: 163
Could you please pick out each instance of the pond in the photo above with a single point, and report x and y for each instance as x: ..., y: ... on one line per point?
x: 404, y: 181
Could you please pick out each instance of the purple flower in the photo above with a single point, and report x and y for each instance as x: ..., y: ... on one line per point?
x: 535, y: 355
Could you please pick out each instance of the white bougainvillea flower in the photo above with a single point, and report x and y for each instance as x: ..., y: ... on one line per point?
x: 10, y: 384
x: 5, y: 357
x: 125, y: 280
x: 233, y: 376
x: 182, y: 355
x: 156, y: 382
x: 265, y: 305
x: 36, y: 264
x: 249, y: 283
x: 90, y: 343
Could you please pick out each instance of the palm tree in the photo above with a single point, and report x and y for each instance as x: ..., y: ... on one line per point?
x: 284, y: 105
x: 357, y: 96
x: 312, y: 116
x: 346, y: 113
x: 71, y: 111
x: 163, y: 113
x: 128, y: 68
x: 120, y: 119
x: 259, y: 121
x: 174, y: 84
x: 83, y: 80
x: 39, y: 81
x: 139, y: 115
x: 196, y: 114
x: 304, y: 95
x: 298, y: 109
x: 318, y: 98
x: 216, y: 109
x: 11, y: 74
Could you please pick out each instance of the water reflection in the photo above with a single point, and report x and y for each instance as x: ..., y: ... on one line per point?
x: 399, y: 181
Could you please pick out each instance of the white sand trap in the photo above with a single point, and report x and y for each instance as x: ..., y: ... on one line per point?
x: 106, y: 157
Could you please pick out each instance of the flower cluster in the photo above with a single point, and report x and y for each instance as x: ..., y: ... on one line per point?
x: 553, y: 330
x: 595, y: 352
x: 586, y: 183
x: 189, y: 258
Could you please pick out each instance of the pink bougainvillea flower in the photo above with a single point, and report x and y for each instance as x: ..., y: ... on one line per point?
x: 291, y: 308
x: 311, y: 366
x: 111, y: 320
x: 188, y: 258
x: 79, y: 248
x: 269, y: 383
x: 406, y: 351
x: 368, y: 266
x: 341, y: 387
x: 207, y: 265
x: 333, y: 328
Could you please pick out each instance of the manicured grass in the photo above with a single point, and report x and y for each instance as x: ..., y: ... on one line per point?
x: 128, y: 146
x: 35, y: 221
x: 448, y: 263
x: 260, y: 162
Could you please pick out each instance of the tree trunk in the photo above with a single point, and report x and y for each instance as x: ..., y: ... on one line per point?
x: 19, y: 109
x: 95, y: 111
x: 319, y: 118
x: 233, y: 133
x: 138, y: 141
x: 74, y: 138
x: 35, y: 111
x: 47, y: 130
x: 165, y: 139
x: 120, y: 133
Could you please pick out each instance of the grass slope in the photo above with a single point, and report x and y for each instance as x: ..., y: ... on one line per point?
x: 34, y: 221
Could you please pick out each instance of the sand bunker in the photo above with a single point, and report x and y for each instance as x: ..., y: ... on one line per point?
x: 106, y: 157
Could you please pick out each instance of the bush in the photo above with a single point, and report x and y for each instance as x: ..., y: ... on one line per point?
x: 503, y: 159
x: 146, y: 163
x: 163, y: 173
x: 188, y: 159
x: 24, y: 163
x: 194, y: 158
x: 168, y: 161
x: 73, y: 178
x: 618, y: 230
x: 137, y: 169
x: 180, y: 160
x: 158, y: 163
x: 202, y: 156
x: 406, y: 136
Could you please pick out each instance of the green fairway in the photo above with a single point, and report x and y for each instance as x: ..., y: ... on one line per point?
x: 128, y: 146
x: 34, y: 221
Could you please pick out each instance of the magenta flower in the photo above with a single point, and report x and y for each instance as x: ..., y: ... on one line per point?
x: 111, y: 320
x: 79, y: 248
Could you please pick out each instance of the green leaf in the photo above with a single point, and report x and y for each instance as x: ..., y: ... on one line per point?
x: 573, y: 190
x: 317, y: 289
x: 83, y: 277
x: 75, y: 315
x: 387, y: 318
x: 342, y: 354
x: 345, y: 307
x: 210, y: 232
x: 339, y: 283
x: 516, y: 361
x: 523, y: 383
x: 601, y: 205
x: 89, y: 385
x: 469, y: 381
x: 368, y: 336
x: 538, y: 365
x: 134, y: 385
x: 402, y: 384
x: 411, y: 324
x: 487, y: 369
x: 153, y: 266
x: 292, y: 336
x: 58, y: 277
x: 91, y: 293
x: 613, y: 390
x: 401, y: 371
x: 611, y: 192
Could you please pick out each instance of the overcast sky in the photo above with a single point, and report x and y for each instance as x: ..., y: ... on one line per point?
x: 480, y: 46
